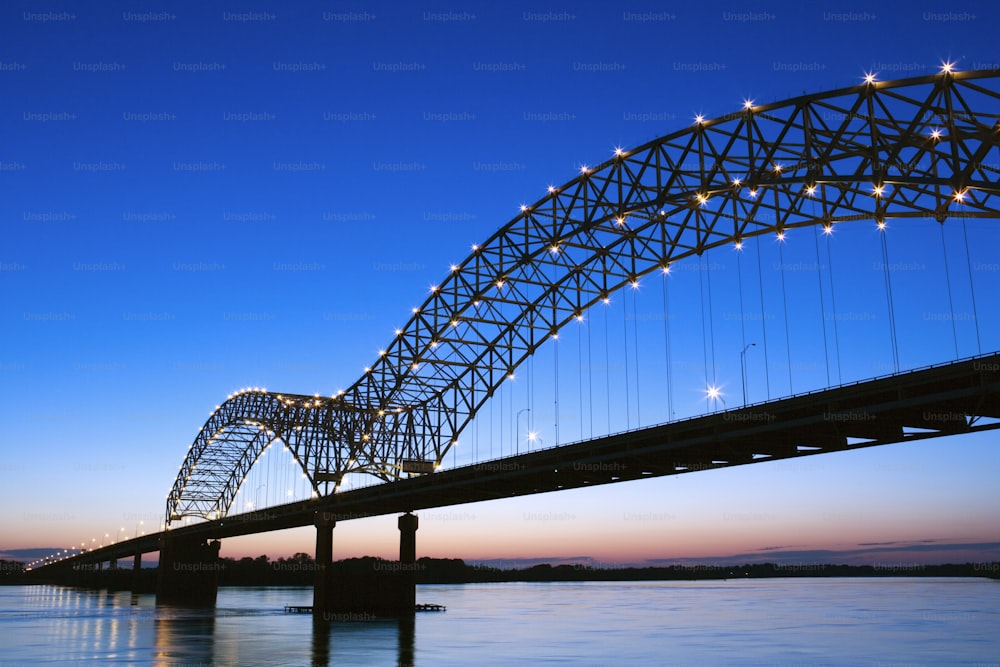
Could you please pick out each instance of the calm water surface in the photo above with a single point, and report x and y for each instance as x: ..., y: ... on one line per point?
x: 765, y: 622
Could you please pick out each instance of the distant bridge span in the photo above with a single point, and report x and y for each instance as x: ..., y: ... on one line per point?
x: 913, y: 148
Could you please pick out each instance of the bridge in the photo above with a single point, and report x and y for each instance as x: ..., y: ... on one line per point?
x: 910, y: 153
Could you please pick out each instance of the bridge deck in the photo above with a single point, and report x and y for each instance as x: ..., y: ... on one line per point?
x: 960, y: 397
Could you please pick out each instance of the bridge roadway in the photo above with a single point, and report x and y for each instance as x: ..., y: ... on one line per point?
x: 915, y: 405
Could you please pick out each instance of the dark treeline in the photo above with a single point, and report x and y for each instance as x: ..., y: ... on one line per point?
x: 300, y: 570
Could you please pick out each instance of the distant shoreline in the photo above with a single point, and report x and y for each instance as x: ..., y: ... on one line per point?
x: 300, y: 570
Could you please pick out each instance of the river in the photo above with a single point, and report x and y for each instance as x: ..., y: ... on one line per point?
x: 883, y: 621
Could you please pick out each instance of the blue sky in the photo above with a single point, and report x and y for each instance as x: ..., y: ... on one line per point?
x: 200, y: 198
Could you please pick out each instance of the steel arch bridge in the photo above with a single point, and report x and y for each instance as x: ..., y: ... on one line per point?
x: 911, y: 148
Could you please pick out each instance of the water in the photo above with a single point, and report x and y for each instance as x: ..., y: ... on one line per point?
x: 757, y: 622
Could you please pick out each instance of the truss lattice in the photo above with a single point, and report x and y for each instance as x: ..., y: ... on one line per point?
x: 914, y: 148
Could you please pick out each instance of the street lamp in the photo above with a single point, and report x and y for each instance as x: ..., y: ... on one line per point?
x: 517, y: 420
x: 743, y: 369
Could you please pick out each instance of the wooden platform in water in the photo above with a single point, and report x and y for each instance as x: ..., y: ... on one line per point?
x: 307, y: 609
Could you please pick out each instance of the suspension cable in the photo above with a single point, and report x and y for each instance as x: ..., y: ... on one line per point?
x: 743, y: 323
x: 833, y: 299
x: 704, y: 337
x: 888, y: 298
x: 763, y: 320
x: 711, y: 321
x: 607, y: 363
x: 947, y: 278
x: 635, y: 335
x: 590, y: 376
x: 822, y: 301
x: 579, y: 363
x: 784, y: 302
x: 628, y: 408
x: 666, y: 345
x: 555, y: 365
x: 972, y: 287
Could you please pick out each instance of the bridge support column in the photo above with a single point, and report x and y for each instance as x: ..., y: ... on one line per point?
x: 408, y: 524
x: 323, y: 582
x: 188, y: 573
x: 137, y: 573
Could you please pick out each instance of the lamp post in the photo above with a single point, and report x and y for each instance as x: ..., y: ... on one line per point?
x: 517, y: 437
x: 743, y: 369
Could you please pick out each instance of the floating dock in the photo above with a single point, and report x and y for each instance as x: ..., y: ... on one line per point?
x: 307, y: 609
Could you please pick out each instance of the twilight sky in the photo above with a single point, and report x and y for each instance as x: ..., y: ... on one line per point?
x: 197, y: 198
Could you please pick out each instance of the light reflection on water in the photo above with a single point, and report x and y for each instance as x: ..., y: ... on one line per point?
x: 803, y: 621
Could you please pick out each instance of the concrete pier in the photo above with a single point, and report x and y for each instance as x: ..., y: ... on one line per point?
x: 188, y: 573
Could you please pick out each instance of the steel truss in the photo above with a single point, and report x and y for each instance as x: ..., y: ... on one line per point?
x: 926, y: 147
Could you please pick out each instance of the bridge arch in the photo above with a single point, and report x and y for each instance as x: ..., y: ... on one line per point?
x: 912, y: 148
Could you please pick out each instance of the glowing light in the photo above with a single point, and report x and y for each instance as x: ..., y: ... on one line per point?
x: 434, y: 288
x: 702, y: 198
x: 552, y: 189
x: 877, y: 190
x: 828, y: 229
x: 619, y: 152
x: 738, y: 245
x: 748, y: 104
x: 606, y: 300
x: 454, y: 323
x: 870, y: 77
x: 881, y: 225
x: 699, y: 119
x: 959, y: 196
x: 777, y: 167
x: 753, y: 193
x: 510, y: 376
x: 810, y: 190
x: 416, y: 311
x: 532, y: 436
x: 579, y: 317
x: 499, y: 284
x: 523, y: 208
x: 620, y: 220
x: 737, y: 182
x: 555, y: 336
x: 780, y: 235
x: 475, y: 248
x: 382, y: 353
x: 666, y: 269
x: 713, y: 392
x: 634, y: 283
x: 399, y: 332
x: 554, y: 249
x: 454, y: 267
x: 584, y: 169
x: 935, y: 134
x: 947, y: 67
